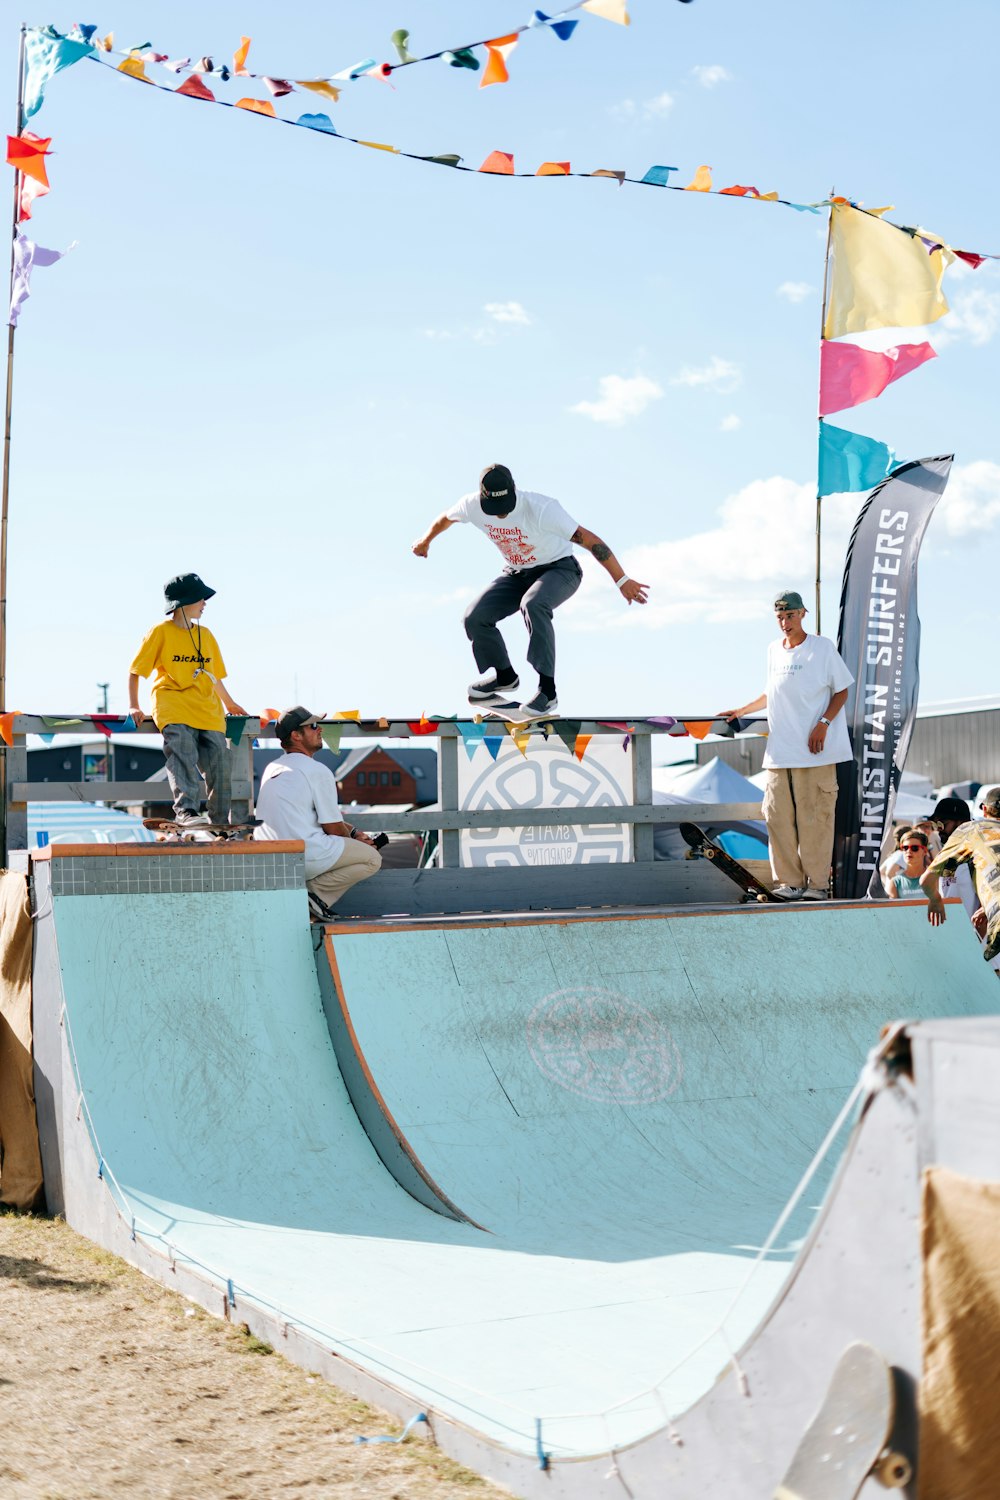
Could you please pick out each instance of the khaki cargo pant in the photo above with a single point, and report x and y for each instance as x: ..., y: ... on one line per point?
x: 799, y: 806
x: 357, y: 862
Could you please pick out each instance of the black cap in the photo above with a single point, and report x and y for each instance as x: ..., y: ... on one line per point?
x: 497, y: 494
x: 186, y: 588
x: 292, y: 719
x: 951, y: 810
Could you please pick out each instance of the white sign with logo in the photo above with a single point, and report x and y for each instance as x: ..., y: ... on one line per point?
x: 549, y: 776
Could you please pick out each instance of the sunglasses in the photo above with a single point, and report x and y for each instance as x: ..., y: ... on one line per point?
x: 310, y: 724
x: 910, y: 848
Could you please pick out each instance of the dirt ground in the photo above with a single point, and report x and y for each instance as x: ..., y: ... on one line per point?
x: 109, y: 1384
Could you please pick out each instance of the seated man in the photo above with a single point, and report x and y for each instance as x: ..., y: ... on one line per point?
x: 298, y: 800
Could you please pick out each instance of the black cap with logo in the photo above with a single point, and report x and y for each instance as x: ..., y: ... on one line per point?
x: 497, y: 494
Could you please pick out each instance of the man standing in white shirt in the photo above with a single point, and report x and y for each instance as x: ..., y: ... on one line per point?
x: 298, y: 800
x: 807, y: 683
x: 536, y: 537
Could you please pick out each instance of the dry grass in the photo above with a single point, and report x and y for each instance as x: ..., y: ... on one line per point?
x: 112, y: 1385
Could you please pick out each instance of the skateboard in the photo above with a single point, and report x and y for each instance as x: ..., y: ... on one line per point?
x: 703, y: 847
x: 195, y: 833
x: 847, y: 1440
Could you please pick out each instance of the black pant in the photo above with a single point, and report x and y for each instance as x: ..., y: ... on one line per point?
x: 536, y: 592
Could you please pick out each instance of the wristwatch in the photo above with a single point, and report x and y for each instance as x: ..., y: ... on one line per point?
x: 826, y: 722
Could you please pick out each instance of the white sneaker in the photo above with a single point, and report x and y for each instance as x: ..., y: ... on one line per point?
x: 788, y: 892
x: 193, y: 820
x: 813, y: 893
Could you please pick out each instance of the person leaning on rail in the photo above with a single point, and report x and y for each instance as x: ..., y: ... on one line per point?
x: 807, y: 683
x: 976, y: 844
x: 298, y: 800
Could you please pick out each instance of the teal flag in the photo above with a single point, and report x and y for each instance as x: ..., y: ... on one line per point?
x: 472, y: 736
x: 848, y: 461
x: 46, y: 53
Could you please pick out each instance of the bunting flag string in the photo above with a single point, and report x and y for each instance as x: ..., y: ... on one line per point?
x: 501, y: 164
x: 48, y: 55
x: 497, y: 163
x: 52, y: 53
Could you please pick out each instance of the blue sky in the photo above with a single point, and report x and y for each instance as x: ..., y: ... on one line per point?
x: 274, y: 357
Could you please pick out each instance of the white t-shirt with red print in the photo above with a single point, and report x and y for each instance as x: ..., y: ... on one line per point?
x: 536, y: 532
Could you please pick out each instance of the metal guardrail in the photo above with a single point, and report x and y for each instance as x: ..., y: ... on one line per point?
x: 640, y: 813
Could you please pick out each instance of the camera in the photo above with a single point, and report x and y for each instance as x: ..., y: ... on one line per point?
x: 380, y: 840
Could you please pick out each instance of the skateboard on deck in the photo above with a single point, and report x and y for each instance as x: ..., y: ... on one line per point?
x: 703, y: 847
x: 195, y: 833
x: 847, y: 1440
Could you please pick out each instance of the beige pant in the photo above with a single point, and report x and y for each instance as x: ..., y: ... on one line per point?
x: 357, y: 862
x: 799, y: 806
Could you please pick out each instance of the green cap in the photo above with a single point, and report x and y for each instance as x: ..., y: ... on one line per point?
x: 789, y: 599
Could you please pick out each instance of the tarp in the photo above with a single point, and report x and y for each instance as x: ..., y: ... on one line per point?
x: 20, y: 1162
x: 715, y: 781
x: 960, y: 1390
x: 83, y: 823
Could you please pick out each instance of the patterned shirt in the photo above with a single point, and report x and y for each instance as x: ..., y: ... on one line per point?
x: 978, y: 845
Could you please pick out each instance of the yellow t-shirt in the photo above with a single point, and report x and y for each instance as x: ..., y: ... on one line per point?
x: 186, y: 664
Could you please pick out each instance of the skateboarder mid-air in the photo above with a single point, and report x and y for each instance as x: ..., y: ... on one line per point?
x: 536, y: 538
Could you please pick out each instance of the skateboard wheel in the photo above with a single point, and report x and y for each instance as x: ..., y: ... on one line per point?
x: 893, y: 1471
x: 709, y: 852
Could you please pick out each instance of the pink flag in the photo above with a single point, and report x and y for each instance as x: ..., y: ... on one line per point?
x: 850, y: 374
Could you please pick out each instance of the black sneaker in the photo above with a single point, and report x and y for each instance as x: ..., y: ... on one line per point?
x: 319, y: 911
x: 541, y: 706
x: 487, y: 690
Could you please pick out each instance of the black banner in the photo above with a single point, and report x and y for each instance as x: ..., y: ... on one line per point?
x: 879, y: 639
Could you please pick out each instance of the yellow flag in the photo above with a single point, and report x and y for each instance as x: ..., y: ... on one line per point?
x: 134, y: 67
x: 701, y: 182
x: 881, y: 276
x: 319, y: 86
x: 378, y: 146
x: 611, y: 10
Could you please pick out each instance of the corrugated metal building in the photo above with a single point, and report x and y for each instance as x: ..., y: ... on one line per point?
x: 957, y: 741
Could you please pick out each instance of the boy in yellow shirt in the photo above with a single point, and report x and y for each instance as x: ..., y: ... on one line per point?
x: 189, y: 701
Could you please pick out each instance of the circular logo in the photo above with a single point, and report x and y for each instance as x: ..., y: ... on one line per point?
x: 604, y: 1046
x: 550, y: 778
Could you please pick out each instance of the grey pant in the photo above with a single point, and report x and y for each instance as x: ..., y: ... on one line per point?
x: 189, y: 751
x: 536, y: 592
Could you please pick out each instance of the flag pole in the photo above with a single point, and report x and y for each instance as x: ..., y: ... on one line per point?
x: 5, y: 490
x: 822, y: 326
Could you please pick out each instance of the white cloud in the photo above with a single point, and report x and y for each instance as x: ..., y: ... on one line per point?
x: 621, y: 398
x: 795, y: 291
x: 763, y: 540
x: 656, y: 108
x: 503, y: 316
x: 730, y: 423
x: 628, y: 110
x: 971, y: 503
x: 974, y: 319
x: 719, y: 375
x: 711, y: 74
x: 507, y: 312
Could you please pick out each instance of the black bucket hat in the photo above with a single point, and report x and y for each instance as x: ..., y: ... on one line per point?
x: 186, y: 588
x: 497, y: 493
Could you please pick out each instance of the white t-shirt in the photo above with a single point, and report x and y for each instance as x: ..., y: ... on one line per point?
x: 800, y: 684
x: 537, y: 530
x: 297, y: 794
